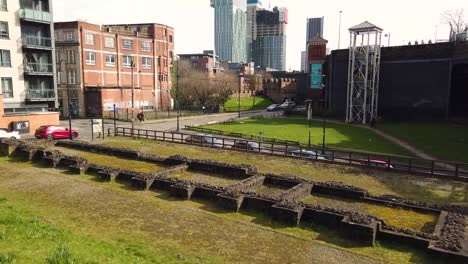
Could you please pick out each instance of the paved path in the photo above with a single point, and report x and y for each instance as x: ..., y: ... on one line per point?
x: 416, y: 152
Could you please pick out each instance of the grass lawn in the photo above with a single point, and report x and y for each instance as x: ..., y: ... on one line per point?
x: 376, y: 182
x: 47, y: 216
x: 297, y: 129
x: 247, y: 103
x: 442, y: 140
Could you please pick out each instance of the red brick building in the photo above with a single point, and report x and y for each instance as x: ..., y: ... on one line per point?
x: 317, y: 48
x: 94, y: 66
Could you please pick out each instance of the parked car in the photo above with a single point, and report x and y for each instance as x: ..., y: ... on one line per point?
x: 5, y: 133
x: 307, y: 154
x: 273, y: 107
x: 246, y: 145
x: 51, y: 132
x: 205, y: 140
x: 288, y: 105
x: 379, y: 163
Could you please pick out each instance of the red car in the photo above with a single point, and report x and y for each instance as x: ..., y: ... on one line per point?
x: 55, y: 132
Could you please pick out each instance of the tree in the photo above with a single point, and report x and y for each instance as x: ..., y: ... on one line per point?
x: 196, y: 89
x: 456, y: 19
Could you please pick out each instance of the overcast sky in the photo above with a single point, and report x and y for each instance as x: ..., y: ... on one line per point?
x: 406, y: 20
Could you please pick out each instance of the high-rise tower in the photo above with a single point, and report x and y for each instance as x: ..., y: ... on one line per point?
x: 230, y: 30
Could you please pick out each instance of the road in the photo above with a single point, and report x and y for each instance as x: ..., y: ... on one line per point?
x: 84, y: 125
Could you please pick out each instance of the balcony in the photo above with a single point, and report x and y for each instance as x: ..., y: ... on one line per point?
x: 35, y: 15
x: 40, y: 95
x: 33, y: 42
x: 38, y: 69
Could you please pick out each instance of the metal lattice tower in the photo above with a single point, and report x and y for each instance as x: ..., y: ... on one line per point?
x: 363, y: 76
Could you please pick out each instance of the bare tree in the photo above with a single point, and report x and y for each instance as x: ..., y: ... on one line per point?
x: 197, y: 89
x: 456, y: 20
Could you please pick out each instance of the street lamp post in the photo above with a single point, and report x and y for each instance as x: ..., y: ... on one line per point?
x: 177, y: 93
x: 238, y: 94
x: 133, y: 96
x: 339, y: 31
x: 68, y: 97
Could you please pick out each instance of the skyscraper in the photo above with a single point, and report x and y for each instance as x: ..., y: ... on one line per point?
x: 230, y: 30
x: 252, y: 7
x: 269, y: 45
x: 314, y: 27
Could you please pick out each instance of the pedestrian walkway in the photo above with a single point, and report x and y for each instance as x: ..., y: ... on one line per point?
x: 416, y: 152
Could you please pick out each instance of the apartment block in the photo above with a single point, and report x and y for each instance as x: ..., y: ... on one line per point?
x: 27, y: 65
x: 100, y: 65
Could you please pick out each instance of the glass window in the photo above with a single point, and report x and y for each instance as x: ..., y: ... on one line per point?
x: 146, y: 63
x: 69, y: 36
x: 4, y: 30
x: 110, y: 42
x: 127, y: 44
x: 71, y: 77
x: 127, y: 61
x: 90, y: 58
x: 146, y: 46
x: 7, y: 87
x: 170, y: 39
x: 70, y: 56
x: 3, y: 5
x: 5, y: 60
x: 89, y: 39
x: 110, y: 60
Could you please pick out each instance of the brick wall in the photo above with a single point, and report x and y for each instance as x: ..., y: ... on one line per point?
x: 35, y: 120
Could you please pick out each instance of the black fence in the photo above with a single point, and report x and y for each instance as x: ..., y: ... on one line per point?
x: 432, y: 168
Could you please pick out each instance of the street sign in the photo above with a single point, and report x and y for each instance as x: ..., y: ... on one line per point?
x: 97, y: 125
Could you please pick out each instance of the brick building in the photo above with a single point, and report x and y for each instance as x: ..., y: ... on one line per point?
x: 94, y: 66
x: 279, y: 89
x: 205, y: 62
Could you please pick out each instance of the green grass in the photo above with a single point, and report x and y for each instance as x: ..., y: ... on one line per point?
x: 247, y: 104
x: 49, y: 217
x: 444, y: 141
x: 377, y: 183
x: 297, y: 129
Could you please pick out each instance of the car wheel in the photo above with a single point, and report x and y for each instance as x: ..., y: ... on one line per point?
x: 74, y: 136
x: 50, y: 137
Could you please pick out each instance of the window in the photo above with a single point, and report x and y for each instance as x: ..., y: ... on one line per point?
x: 110, y: 60
x: 3, y: 5
x: 71, y: 77
x: 127, y: 61
x: 170, y: 38
x: 7, y: 87
x: 127, y: 44
x: 146, y: 63
x: 4, y: 30
x: 69, y: 36
x: 70, y: 56
x: 159, y: 62
x: 89, y: 39
x: 171, y: 54
x: 110, y: 42
x: 5, y: 58
x: 146, y: 46
x: 90, y: 58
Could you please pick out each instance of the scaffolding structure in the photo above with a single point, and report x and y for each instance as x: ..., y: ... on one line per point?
x: 363, y: 75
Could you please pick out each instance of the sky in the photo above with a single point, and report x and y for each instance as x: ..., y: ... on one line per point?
x: 193, y: 20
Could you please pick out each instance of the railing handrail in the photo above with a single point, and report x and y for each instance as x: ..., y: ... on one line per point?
x: 44, y: 93
x: 449, y: 170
